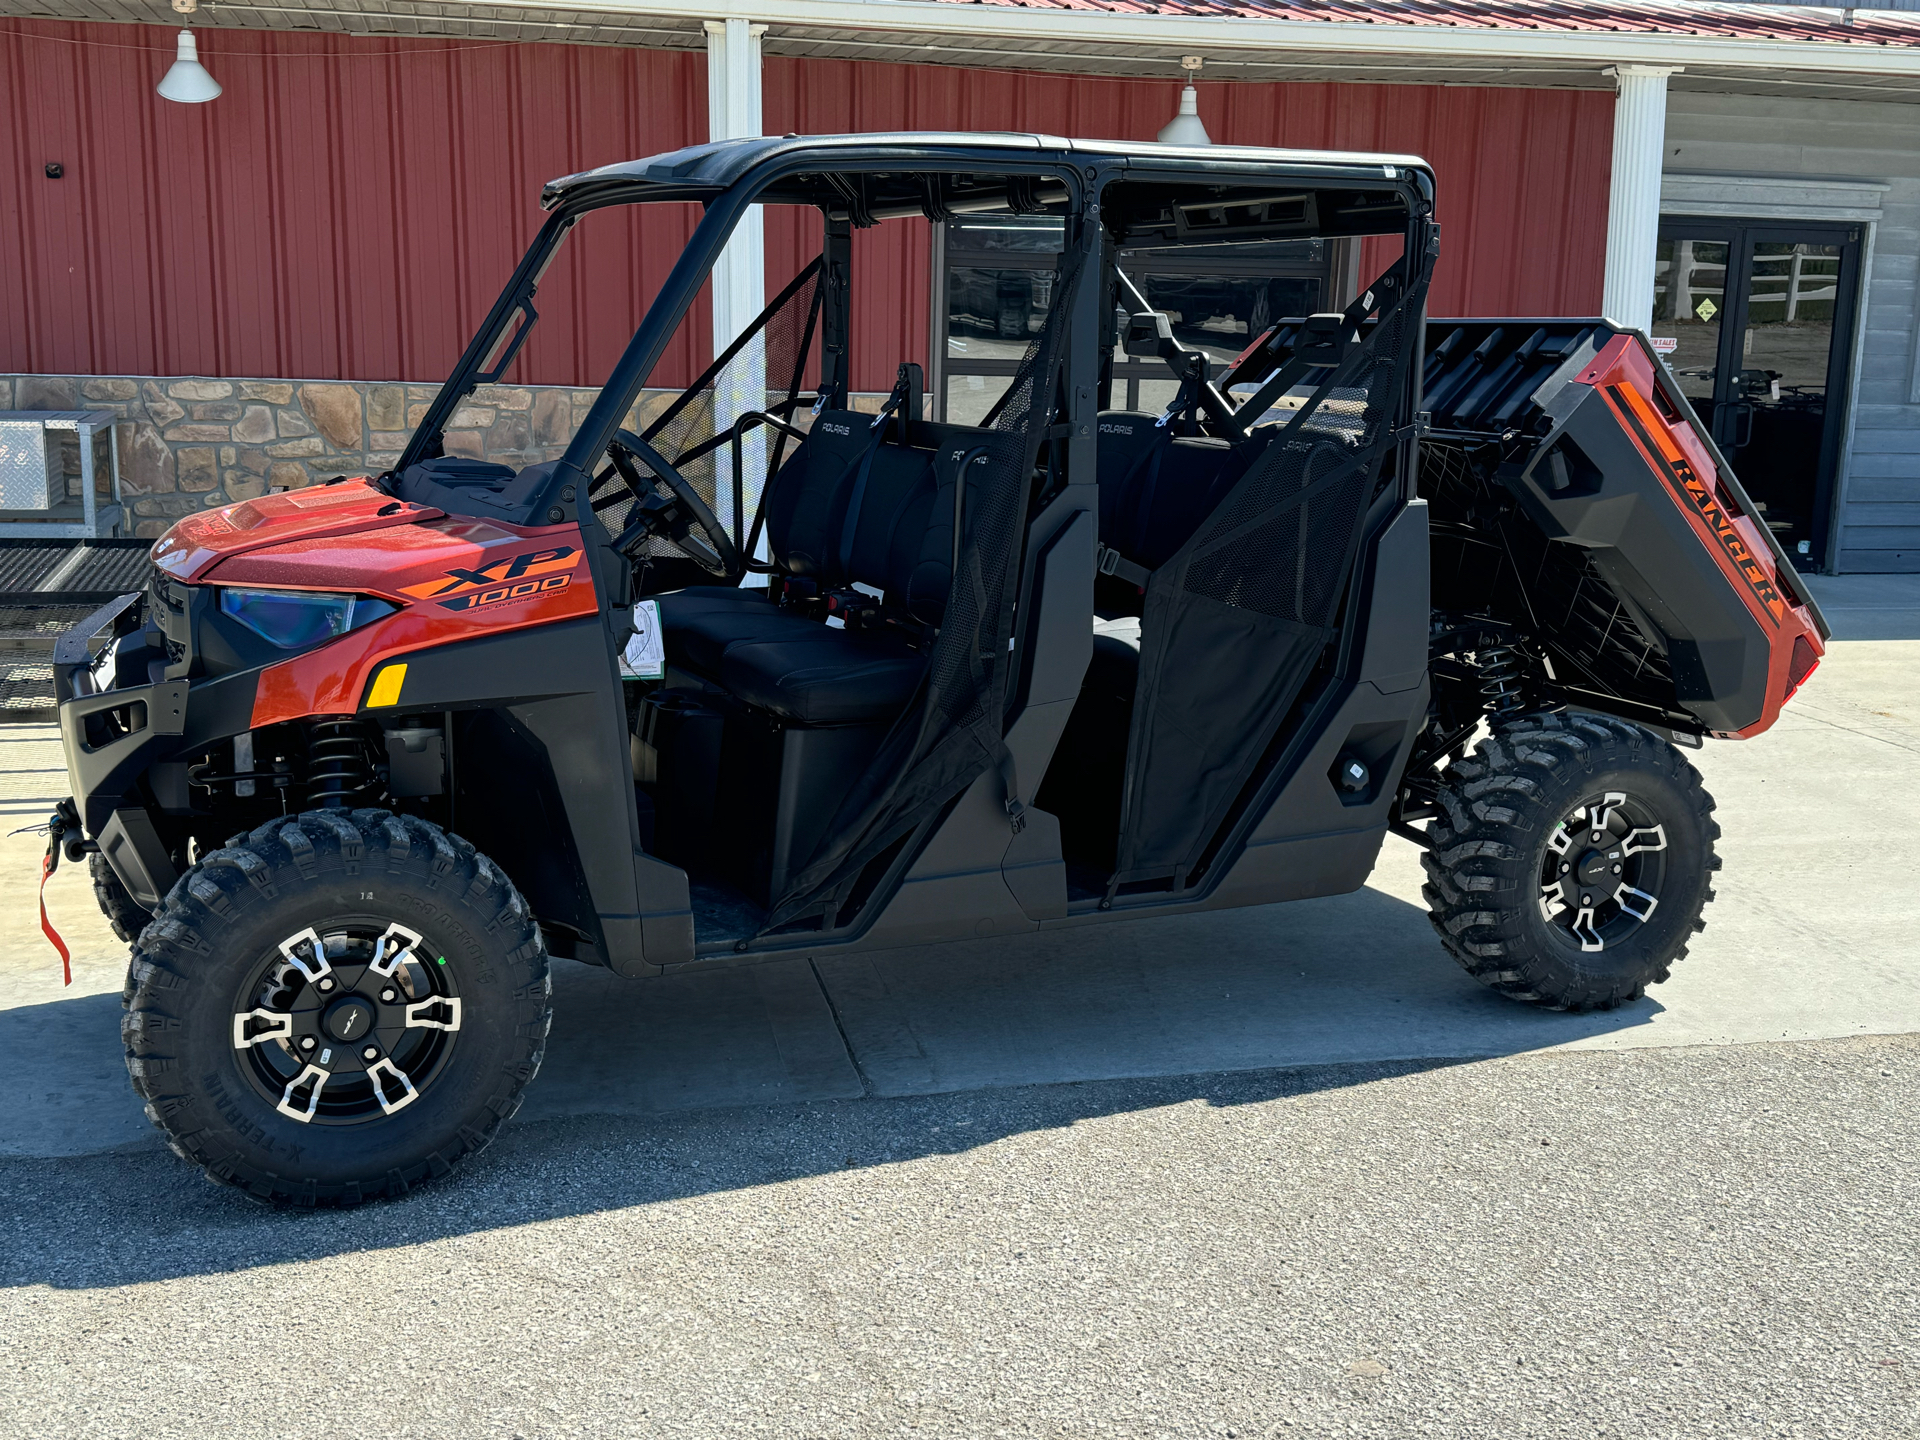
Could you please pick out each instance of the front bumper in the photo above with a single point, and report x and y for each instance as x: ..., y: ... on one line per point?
x: 114, y: 740
x: 131, y: 731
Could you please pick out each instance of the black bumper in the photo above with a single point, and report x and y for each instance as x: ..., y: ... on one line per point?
x: 112, y: 741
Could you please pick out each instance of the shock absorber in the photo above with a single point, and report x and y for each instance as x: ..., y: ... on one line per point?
x: 1500, y: 671
x: 340, y: 763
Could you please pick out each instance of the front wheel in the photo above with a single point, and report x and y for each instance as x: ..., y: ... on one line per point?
x: 1571, y: 861
x: 336, y: 1006
x: 126, y: 915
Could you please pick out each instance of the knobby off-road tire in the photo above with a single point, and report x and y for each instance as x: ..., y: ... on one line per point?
x: 126, y: 915
x: 1544, y: 803
x: 251, y: 972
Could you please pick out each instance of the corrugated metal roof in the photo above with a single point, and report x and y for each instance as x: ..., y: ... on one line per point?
x: 69, y: 570
x: 1464, y: 46
x: 1736, y: 22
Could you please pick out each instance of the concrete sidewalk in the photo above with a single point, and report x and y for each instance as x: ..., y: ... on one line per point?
x: 1813, y: 935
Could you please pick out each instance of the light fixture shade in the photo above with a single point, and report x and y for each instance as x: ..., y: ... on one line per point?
x: 1186, y: 128
x: 188, y: 82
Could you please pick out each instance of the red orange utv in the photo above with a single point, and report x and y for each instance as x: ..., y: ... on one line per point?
x: 363, y: 756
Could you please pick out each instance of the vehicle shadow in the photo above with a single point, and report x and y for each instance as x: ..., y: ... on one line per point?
x: 754, y: 1076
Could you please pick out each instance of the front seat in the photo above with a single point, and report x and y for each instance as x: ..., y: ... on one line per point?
x: 838, y: 517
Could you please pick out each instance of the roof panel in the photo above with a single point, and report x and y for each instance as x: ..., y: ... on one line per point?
x: 721, y: 163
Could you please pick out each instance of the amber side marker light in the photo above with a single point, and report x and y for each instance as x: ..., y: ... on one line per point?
x: 386, y: 690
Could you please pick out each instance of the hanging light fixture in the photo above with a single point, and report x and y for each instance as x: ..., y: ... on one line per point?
x: 188, y: 82
x: 1186, y: 128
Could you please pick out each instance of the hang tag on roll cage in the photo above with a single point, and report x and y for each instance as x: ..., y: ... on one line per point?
x: 646, y: 655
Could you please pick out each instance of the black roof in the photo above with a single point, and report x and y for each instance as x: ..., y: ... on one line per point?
x: 714, y: 167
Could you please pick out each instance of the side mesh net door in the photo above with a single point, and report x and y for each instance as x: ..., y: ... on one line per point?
x: 952, y: 732
x: 1233, y: 625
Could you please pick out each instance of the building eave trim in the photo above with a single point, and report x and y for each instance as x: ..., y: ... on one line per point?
x: 1182, y: 34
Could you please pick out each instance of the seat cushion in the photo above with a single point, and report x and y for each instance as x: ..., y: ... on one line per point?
x: 777, y: 661
x: 699, y: 623
x: 831, y: 677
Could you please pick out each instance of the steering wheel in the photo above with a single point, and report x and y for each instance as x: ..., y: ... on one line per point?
x: 685, y: 520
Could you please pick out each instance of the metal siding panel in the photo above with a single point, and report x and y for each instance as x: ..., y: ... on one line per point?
x: 349, y: 207
x: 1885, y: 537
x: 51, y: 224
x: 1865, y: 515
x: 18, y: 294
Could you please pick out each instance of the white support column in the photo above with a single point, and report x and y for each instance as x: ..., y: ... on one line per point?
x: 1634, y: 192
x: 740, y: 285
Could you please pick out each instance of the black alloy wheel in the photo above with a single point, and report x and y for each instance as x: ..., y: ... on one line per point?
x: 347, y: 1022
x: 1602, y: 872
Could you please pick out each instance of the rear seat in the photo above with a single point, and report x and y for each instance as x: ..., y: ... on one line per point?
x: 1156, y: 489
x: 900, y: 545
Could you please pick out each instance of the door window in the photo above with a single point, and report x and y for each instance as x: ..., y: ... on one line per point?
x: 1756, y: 319
x: 998, y: 284
x: 1786, y: 347
x: 1690, y: 299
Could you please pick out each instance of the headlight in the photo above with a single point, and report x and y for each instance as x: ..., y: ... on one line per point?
x: 293, y: 619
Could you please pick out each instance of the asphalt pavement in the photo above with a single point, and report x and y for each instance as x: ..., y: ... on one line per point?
x: 1699, y: 1241
x: 1282, y: 1171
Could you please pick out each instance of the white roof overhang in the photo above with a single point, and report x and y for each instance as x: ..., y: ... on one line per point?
x: 1105, y: 42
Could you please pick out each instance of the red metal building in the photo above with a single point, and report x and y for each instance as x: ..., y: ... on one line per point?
x: 252, y: 285
x: 350, y: 207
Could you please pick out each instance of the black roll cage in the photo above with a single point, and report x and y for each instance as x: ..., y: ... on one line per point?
x: 832, y: 173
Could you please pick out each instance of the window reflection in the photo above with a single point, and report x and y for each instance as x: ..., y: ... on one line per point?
x: 985, y: 306
x: 1218, y: 299
x: 1221, y: 314
x: 1690, y: 298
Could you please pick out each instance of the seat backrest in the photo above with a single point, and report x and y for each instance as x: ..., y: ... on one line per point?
x: 901, y: 543
x: 1157, y: 488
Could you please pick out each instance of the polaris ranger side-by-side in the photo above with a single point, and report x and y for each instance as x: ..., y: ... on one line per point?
x: 361, y: 757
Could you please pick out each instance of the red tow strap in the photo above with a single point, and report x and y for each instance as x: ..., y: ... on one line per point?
x: 47, y: 863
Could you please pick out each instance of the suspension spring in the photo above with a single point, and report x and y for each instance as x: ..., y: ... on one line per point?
x: 340, y: 763
x: 1500, y: 669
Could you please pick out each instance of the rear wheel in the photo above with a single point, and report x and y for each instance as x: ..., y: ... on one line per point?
x: 336, y: 1006
x: 1571, y: 861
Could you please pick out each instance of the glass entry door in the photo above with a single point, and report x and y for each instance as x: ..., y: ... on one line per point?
x: 1757, y: 324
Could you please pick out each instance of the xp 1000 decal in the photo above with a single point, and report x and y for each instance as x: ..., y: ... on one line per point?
x: 534, y: 572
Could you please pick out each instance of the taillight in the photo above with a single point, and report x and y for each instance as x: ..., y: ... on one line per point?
x: 1801, y: 665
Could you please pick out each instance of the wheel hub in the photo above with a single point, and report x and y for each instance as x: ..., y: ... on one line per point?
x: 1602, y: 871
x: 1596, y: 866
x: 348, y: 1019
x: 349, y: 1022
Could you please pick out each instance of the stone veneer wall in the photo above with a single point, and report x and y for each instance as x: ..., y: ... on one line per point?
x: 196, y: 442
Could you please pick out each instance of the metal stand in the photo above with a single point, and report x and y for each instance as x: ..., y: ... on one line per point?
x: 33, y: 499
